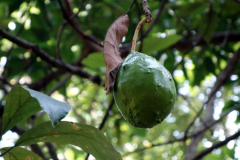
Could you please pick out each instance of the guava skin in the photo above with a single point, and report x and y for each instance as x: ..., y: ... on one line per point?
x: 144, y: 91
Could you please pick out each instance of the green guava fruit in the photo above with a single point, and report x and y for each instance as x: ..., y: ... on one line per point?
x: 144, y: 91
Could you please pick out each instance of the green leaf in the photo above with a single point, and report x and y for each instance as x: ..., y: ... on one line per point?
x: 23, y: 102
x: 157, y: 44
x: 19, y: 153
x: 94, y: 60
x: 90, y: 139
x: 19, y: 106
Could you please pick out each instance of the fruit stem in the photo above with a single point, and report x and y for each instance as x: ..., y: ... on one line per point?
x: 134, y: 41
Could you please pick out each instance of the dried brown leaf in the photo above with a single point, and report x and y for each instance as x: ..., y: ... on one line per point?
x: 112, y: 57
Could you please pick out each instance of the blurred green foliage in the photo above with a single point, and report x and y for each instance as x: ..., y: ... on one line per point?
x: 182, y: 24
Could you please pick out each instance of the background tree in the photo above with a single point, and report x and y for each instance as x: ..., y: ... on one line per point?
x: 55, y: 47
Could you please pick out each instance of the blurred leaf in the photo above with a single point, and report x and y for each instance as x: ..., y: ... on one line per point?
x: 228, y: 152
x: 90, y: 139
x: 13, y: 5
x: 36, y: 71
x: 199, y: 75
x: 94, y: 60
x: 169, y: 62
x: 192, y: 9
x: 209, y: 65
x: 184, y: 70
x: 15, y: 66
x: 4, y: 11
x: 18, y: 153
x: 238, y: 118
x: 229, y: 104
x: 231, y: 6
x: 39, y: 31
x: 213, y: 157
x: 23, y: 102
x: 139, y: 132
x: 207, y: 25
x: 157, y: 44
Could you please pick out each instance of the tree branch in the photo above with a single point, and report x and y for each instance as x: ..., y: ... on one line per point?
x: 51, y: 150
x: 37, y: 86
x: 154, y: 145
x: 147, y: 11
x: 95, y: 45
x: 63, y: 26
x: 215, y: 122
x: 106, y: 114
x: 221, y: 80
x: 49, y: 59
x: 216, y: 145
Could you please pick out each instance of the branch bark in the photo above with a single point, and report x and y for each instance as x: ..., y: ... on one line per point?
x: 147, y: 11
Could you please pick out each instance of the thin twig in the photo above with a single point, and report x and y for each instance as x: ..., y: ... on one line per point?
x: 154, y: 145
x: 63, y: 26
x: 81, y: 33
x: 227, y: 35
x: 51, y: 150
x: 193, y: 44
x: 106, y: 114
x: 190, y: 106
x: 60, y: 84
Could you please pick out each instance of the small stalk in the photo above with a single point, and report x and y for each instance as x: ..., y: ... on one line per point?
x: 134, y: 41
